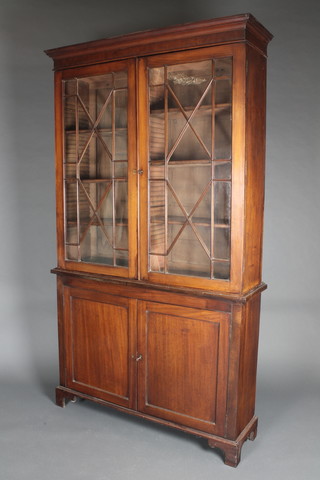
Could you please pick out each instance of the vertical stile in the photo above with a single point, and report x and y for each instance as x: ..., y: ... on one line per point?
x: 64, y: 175
x: 213, y: 96
x: 77, y: 170
x: 166, y: 170
x: 92, y: 167
x: 113, y: 129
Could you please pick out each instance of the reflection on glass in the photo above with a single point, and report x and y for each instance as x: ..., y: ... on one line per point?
x: 190, y: 168
x: 95, y: 169
x: 221, y: 270
x: 222, y: 203
x: 188, y: 83
x: 223, y: 67
x: 222, y: 171
x: 187, y: 257
x: 222, y: 138
x: 222, y: 242
x: 223, y: 92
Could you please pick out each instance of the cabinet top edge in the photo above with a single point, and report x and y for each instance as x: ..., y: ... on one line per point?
x: 231, y: 29
x: 241, y: 297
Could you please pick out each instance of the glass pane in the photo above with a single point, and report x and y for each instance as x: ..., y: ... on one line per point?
x: 187, y: 256
x: 157, y: 237
x: 104, y: 106
x: 72, y: 252
x: 121, y: 203
x: 121, y: 101
x: 157, y: 170
x: 104, y: 147
x: 70, y: 87
x: 70, y: 153
x: 203, y: 234
x: 156, y: 263
x: 121, y: 236
x: 221, y: 247
x: 121, y: 142
x: 156, y: 76
x: 187, y: 83
x: 190, y: 184
x: 105, y: 202
x: 156, y: 120
x: 120, y: 79
x: 222, y: 139
x: 71, y: 202
x: 157, y: 137
x: 94, y: 243
x: 190, y: 115
x: 157, y: 240
x: 121, y: 258
x: 201, y: 124
x: 222, y: 201
x: 87, y: 205
x: 121, y: 170
x: 95, y: 121
x: 221, y: 270
x: 71, y: 213
x: 157, y: 201
x: 223, y: 67
x: 157, y: 98
x: 222, y: 171
x: 83, y: 108
x: 104, y: 166
x: 70, y: 113
x: 190, y: 141
x: 223, y: 91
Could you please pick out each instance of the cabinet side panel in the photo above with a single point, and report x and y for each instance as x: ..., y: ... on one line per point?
x: 248, y: 362
x: 255, y: 171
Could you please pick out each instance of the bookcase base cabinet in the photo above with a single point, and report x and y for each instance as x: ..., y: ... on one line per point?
x: 184, y: 361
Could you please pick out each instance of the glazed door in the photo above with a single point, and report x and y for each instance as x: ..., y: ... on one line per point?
x: 99, y: 334
x: 96, y: 164
x: 182, y: 371
x: 191, y: 156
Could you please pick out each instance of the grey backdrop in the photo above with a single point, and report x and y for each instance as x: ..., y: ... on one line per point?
x: 289, y: 361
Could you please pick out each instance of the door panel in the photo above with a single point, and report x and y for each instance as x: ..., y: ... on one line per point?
x: 98, y: 156
x: 192, y: 158
x: 100, y: 339
x: 182, y: 373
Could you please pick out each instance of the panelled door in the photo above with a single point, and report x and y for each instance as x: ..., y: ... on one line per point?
x: 192, y: 157
x: 182, y: 374
x: 96, y: 164
x: 165, y: 360
x: 100, y: 339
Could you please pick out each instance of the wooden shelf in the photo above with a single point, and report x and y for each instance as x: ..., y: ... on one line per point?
x: 203, y: 109
x: 181, y: 163
x: 88, y: 131
x: 179, y: 220
x: 95, y: 180
x: 106, y: 222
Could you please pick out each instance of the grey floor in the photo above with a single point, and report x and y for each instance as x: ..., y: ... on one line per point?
x: 39, y: 440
